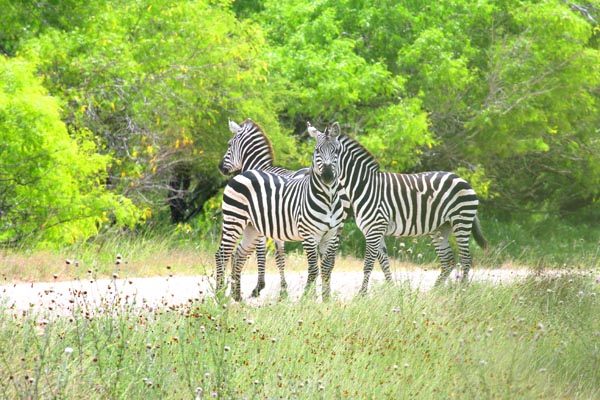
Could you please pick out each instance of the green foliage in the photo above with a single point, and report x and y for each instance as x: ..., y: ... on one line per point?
x: 23, y: 19
x: 323, y: 78
x: 539, y: 108
x: 506, y: 94
x: 156, y: 81
x: 52, y: 186
x: 492, y: 81
x: 396, y: 135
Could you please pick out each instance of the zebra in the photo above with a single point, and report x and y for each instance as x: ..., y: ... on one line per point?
x: 258, y: 203
x: 430, y: 203
x: 248, y: 149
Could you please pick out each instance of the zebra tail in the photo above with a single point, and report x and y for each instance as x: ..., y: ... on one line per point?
x: 478, y: 234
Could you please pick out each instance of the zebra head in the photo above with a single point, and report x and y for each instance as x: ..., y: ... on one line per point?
x: 325, y: 155
x: 231, y: 161
x: 249, y: 148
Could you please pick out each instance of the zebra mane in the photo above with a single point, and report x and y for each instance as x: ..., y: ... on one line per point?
x: 249, y: 121
x: 352, y: 146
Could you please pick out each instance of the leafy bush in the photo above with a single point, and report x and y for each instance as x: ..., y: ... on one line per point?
x: 53, y: 184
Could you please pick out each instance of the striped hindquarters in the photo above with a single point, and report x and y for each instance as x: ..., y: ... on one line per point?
x: 265, y: 200
x: 420, y: 203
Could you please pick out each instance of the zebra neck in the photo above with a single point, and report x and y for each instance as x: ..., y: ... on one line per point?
x: 260, y: 164
x: 356, y: 181
x: 320, y: 189
x: 359, y: 171
x: 256, y: 155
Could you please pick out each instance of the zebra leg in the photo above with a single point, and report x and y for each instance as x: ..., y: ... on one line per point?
x: 280, y: 261
x: 330, y: 246
x: 462, y: 234
x: 373, y: 239
x: 229, y: 237
x: 221, y: 258
x: 384, y: 261
x: 261, y: 251
x: 444, y: 252
x: 244, y: 249
x: 310, y: 247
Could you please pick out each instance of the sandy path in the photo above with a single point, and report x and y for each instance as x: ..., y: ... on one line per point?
x: 62, y: 297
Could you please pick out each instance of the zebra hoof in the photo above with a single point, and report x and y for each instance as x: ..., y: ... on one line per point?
x: 309, y: 291
x: 257, y: 290
x: 236, y: 295
x: 283, y: 294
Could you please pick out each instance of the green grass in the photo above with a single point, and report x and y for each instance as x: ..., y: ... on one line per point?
x: 187, y: 250
x: 534, y: 339
x: 550, y: 243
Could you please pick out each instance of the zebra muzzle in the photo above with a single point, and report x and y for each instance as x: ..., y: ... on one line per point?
x: 223, y: 169
x: 328, y: 174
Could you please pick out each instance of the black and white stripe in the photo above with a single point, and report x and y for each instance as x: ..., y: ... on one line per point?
x: 250, y: 149
x: 258, y: 203
x: 432, y: 203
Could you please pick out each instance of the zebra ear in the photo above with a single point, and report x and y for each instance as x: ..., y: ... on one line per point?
x: 233, y: 127
x: 312, y: 131
x: 335, y: 130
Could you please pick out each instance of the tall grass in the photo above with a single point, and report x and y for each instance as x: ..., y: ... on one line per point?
x: 144, y: 253
x: 534, y: 339
x: 189, y: 250
x: 548, y: 243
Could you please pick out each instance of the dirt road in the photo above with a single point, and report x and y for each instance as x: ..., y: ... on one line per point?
x: 62, y: 297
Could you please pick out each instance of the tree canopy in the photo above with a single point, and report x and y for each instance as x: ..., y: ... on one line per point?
x: 114, y: 111
x: 52, y: 186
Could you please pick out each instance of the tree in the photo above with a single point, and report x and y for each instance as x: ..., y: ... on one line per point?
x: 22, y: 20
x: 156, y: 82
x: 322, y: 76
x: 510, y: 93
x: 51, y: 185
x: 505, y: 94
x: 536, y: 129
